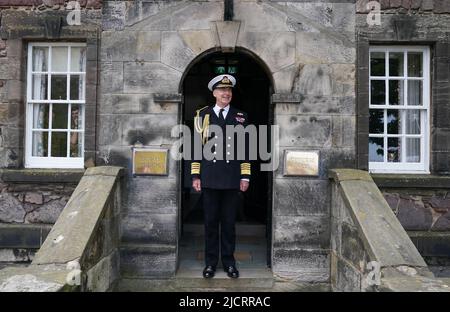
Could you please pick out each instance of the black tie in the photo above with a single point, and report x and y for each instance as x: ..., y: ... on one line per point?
x: 221, y: 118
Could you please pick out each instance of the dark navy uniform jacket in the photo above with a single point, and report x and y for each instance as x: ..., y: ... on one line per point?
x: 224, y: 173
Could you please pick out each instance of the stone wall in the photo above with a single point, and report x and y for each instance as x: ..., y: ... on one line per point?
x: 33, y: 203
x: 422, y: 205
x: 29, y: 208
x: 420, y: 209
x: 81, y: 252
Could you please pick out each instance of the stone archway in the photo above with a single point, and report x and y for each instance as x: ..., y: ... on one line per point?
x: 253, y: 95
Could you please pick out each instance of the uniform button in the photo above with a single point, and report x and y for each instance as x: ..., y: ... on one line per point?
x: 215, y: 144
x: 214, y: 160
x: 228, y: 153
x: 228, y: 145
x: 216, y: 137
x: 229, y: 138
x: 228, y: 161
x: 214, y: 153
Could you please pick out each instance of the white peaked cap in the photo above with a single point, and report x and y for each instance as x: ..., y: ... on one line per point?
x: 222, y: 81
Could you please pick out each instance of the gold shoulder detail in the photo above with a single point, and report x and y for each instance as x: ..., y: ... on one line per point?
x: 199, y: 110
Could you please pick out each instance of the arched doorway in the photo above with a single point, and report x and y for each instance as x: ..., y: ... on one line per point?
x: 252, y: 95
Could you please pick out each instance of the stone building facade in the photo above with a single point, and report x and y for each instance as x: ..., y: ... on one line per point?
x: 145, y: 64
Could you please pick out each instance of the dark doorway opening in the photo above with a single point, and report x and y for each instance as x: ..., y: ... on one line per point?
x: 252, y: 95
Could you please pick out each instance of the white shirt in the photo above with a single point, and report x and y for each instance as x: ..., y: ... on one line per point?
x: 217, y: 109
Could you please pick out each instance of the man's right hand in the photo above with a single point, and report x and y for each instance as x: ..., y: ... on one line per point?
x: 196, y: 185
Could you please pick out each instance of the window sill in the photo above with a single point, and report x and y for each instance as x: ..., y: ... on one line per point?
x: 410, y: 180
x: 41, y: 175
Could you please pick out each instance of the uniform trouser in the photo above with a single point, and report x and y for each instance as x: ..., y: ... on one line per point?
x: 220, y: 208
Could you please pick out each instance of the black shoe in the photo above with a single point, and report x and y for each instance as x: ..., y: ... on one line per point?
x: 209, y: 271
x: 231, y: 271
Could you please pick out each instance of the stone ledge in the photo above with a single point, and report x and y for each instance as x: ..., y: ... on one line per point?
x: 292, y: 98
x: 410, y: 181
x: 167, y: 97
x: 41, y: 175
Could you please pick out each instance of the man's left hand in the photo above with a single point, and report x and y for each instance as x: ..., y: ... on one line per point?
x: 244, y: 185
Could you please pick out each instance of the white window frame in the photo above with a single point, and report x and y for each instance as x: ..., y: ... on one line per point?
x: 403, y: 167
x: 52, y: 162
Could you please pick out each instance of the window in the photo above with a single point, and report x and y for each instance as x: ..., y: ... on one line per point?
x: 399, y: 94
x: 55, y: 105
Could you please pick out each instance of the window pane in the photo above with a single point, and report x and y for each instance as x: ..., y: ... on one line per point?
x: 59, y: 116
x: 59, y: 87
x: 76, y: 144
x: 77, y: 117
x: 59, y: 59
x: 39, y: 87
x: 393, y: 121
x: 414, y: 92
x: 412, y: 121
x: 413, y: 149
x: 393, y: 150
x: 77, y: 87
x: 376, y: 152
x: 376, y: 121
x: 40, y: 144
x: 415, y: 64
x: 377, y: 64
x: 396, y: 64
x: 40, y: 116
x: 40, y: 59
x: 78, y: 59
x: 396, y: 92
x: 59, y: 144
x: 377, y: 92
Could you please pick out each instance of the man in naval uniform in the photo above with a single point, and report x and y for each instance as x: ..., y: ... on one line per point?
x: 222, y: 178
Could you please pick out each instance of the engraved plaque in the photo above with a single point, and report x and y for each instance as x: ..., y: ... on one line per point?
x: 301, y: 163
x: 148, y: 161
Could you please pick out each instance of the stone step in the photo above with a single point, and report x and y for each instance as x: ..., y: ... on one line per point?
x: 168, y: 285
x: 242, y: 230
x: 249, y: 278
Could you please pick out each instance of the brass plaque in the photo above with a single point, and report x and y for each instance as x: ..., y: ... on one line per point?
x: 301, y: 163
x: 150, y: 161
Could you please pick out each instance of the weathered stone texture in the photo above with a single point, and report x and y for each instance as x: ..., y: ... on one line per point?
x: 11, y: 210
x: 33, y: 203
x: 130, y: 46
x: 296, y: 197
x: 148, y: 261
x: 47, y: 213
x: 149, y: 228
x: 150, y: 78
x: 162, y: 198
x: 174, y: 51
x: 420, y: 210
x: 301, y: 232
x: 305, y: 131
